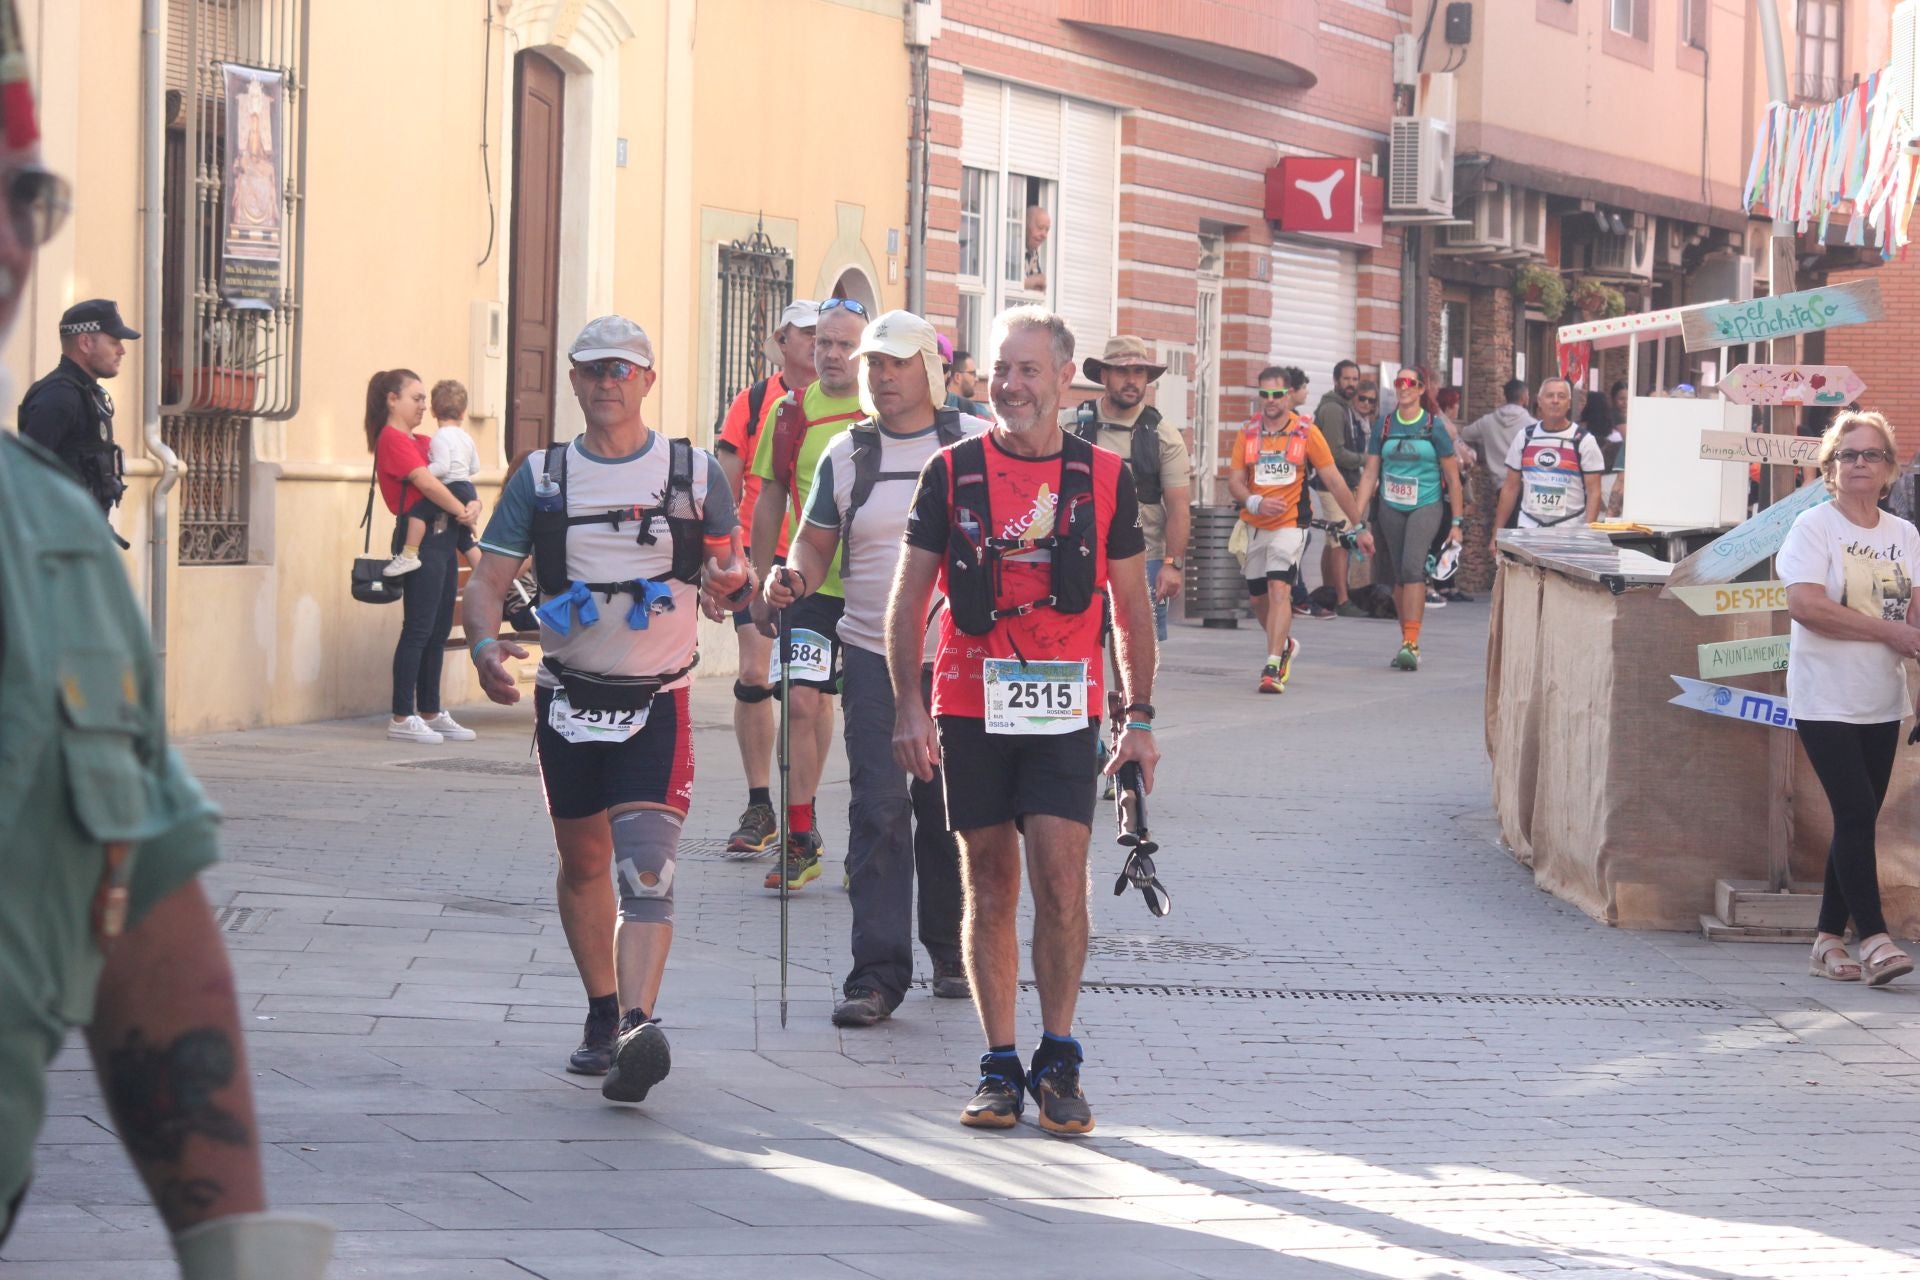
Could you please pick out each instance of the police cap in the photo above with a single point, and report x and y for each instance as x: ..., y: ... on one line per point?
x: 96, y: 315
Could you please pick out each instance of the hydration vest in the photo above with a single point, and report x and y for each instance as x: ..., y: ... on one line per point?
x: 866, y: 466
x: 1561, y: 456
x: 683, y: 516
x: 790, y: 427
x: 1145, y: 459
x: 1295, y: 444
x: 974, y: 552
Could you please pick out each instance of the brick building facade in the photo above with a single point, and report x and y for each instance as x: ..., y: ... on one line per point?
x: 1881, y: 353
x: 1144, y: 129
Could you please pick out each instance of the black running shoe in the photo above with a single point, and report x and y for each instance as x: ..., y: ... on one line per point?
x: 1055, y: 1083
x: 640, y: 1060
x: 1000, y: 1098
x: 595, y: 1053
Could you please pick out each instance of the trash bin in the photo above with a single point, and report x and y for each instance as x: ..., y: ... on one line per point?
x: 1214, y: 591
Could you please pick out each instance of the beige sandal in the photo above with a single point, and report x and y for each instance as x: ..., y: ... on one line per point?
x: 1824, y: 965
x: 1883, y: 960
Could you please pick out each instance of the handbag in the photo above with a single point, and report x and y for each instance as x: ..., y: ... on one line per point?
x: 370, y: 583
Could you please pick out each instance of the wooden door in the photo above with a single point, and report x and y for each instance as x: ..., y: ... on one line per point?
x: 533, y: 338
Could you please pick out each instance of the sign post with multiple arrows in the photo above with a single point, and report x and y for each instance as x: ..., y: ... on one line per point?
x: 1801, y: 384
x: 1735, y: 704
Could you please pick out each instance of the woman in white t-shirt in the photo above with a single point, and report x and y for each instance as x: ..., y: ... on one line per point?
x: 1849, y: 570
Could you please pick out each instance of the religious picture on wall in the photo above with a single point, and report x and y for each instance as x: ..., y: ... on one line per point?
x: 253, y: 236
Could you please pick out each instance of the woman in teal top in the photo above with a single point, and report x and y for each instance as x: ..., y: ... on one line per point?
x: 1409, y: 456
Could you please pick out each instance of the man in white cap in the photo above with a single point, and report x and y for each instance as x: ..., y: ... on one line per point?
x: 791, y: 347
x: 861, y: 493
x: 1120, y: 419
x: 798, y: 429
x: 630, y: 534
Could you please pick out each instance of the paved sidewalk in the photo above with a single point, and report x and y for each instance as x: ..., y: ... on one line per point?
x: 1362, y: 1046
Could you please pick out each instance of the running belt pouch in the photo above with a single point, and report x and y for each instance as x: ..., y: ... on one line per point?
x: 370, y: 585
x: 590, y: 692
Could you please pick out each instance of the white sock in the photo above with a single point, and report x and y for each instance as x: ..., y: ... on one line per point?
x: 1273, y: 659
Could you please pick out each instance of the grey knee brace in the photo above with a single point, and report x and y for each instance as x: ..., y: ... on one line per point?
x: 644, y: 845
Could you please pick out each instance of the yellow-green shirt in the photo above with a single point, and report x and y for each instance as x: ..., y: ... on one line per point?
x: 816, y: 404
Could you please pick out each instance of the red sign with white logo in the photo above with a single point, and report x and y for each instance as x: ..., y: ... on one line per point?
x: 1315, y: 194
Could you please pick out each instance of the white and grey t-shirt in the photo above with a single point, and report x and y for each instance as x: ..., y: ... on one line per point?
x: 603, y: 553
x: 867, y: 574
x: 1867, y: 570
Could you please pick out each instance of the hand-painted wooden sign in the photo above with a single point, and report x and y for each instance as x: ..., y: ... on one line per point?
x: 1828, y: 384
x: 1743, y: 657
x: 1747, y: 544
x: 1757, y: 446
x: 1735, y: 704
x: 1809, y: 311
x: 1734, y: 597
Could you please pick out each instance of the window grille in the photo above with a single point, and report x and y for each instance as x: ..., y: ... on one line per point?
x: 756, y: 284
x: 230, y: 354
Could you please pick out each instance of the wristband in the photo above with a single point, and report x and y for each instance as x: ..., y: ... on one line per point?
x: 1357, y: 529
x: 1252, y: 504
x: 473, y: 650
x: 1140, y: 724
x: 1458, y: 521
x: 787, y: 568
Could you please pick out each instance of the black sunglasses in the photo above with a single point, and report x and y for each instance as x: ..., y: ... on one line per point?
x: 618, y: 370
x: 38, y: 202
x: 836, y: 304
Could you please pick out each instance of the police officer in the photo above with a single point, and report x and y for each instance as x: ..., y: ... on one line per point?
x: 102, y: 836
x: 69, y: 413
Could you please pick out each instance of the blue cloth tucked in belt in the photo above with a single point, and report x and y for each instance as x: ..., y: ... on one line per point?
x: 647, y: 596
x: 562, y: 611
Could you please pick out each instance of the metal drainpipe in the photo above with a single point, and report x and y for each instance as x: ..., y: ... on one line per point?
x: 1770, y: 45
x: 917, y: 188
x: 153, y: 97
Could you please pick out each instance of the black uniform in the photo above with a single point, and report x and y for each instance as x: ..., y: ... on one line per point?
x: 70, y: 414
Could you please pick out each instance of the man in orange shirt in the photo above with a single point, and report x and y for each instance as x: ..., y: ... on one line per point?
x: 791, y: 346
x: 1267, y: 475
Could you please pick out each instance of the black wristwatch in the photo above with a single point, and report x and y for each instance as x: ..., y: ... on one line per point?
x: 1138, y: 711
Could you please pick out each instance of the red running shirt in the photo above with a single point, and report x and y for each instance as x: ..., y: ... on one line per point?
x: 1023, y: 497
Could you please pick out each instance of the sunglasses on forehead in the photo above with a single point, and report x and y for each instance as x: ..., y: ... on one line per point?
x: 848, y: 304
x: 618, y: 370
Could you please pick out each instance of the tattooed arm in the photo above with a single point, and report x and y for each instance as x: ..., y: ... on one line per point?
x: 166, y: 1044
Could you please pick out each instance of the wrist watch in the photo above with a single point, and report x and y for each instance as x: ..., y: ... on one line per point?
x: 1174, y: 565
x: 1138, y: 711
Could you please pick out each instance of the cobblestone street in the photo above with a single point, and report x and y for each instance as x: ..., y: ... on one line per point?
x: 1363, y: 1045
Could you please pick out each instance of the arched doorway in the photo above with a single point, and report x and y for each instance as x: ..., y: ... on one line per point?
x: 533, y: 272
x: 853, y: 283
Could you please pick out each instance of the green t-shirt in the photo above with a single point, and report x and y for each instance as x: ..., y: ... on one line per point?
x: 85, y: 742
x: 1410, y: 454
x: 818, y: 406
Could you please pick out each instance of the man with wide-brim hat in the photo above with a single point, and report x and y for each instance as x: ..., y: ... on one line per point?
x: 1123, y: 421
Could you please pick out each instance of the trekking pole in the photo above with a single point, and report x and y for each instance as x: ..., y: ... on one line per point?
x: 785, y: 642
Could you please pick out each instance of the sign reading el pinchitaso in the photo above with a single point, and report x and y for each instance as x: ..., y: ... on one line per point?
x: 1809, y: 311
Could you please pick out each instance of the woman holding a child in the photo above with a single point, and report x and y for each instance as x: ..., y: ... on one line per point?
x: 396, y: 405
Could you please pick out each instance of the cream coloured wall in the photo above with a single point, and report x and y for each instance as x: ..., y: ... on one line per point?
x: 396, y: 229
x: 1535, y: 93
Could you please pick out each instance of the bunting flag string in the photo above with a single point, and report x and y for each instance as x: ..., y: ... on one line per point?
x: 1846, y: 156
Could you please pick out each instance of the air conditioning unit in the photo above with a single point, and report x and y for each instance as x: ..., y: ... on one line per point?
x: 1492, y: 223
x: 1904, y: 67
x: 1629, y: 254
x: 1670, y: 245
x: 1420, y: 170
x: 1529, y: 222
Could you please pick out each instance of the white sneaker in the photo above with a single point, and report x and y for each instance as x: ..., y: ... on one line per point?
x: 452, y: 730
x: 400, y: 564
x: 414, y: 729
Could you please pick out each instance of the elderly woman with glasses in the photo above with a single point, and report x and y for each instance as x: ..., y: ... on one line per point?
x: 1410, y: 459
x: 1849, y: 569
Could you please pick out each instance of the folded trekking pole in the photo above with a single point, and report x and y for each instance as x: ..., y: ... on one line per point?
x: 785, y: 628
x: 1130, y: 815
